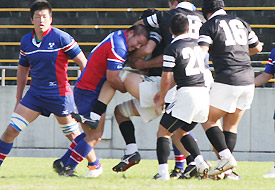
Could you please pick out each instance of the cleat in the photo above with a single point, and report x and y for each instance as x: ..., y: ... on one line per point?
x: 127, y: 161
x: 161, y: 177
x: 176, y: 173
x: 94, y: 172
x: 69, y: 172
x: 202, y: 170
x: 189, y: 172
x: 223, y: 165
x: 229, y: 174
x: 59, y: 167
x: 270, y: 174
x: 80, y: 118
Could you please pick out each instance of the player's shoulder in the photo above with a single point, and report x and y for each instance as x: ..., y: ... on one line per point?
x: 119, y: 38
x: 60, y: 33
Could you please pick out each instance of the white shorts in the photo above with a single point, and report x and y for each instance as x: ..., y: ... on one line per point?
x: 208, y: 78
x: 148, y: 89
x: 191, y: 104
x: 228, y: 97
x: 146, y: 113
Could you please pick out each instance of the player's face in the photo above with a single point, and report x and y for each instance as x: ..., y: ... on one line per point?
x: 135, y: 42
x: 41, y: 20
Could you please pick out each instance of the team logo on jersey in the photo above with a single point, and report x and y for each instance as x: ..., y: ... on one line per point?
x: 65, y: 112
x: 119, y: 67
x: 52, y: 83
x: 51, y: 44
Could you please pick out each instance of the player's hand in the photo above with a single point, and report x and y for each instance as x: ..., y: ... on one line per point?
x: 138, y: 64
x: 159, y: 103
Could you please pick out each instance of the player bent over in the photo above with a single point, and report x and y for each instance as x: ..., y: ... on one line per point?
x: 184, y: 60
x: 44, y: 52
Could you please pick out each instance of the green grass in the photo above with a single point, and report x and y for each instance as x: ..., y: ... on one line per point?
x: 37, y: 173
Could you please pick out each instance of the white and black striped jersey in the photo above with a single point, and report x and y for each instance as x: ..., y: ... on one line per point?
x: 229, y: 39
x: 184, y: 57
x: 161, y: 20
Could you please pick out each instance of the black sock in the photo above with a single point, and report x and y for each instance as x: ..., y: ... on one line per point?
x: 163, y: 150
x: 190, y: 145
x: 189, y: 159
x: 230, y: 139
x: 216, y: 137
x: 99, y: 108
x: 127, y: 130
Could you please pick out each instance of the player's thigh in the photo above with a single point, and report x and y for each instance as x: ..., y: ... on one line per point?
x: 232, y: 120
x: 132, y: 84
x: 28, y: 114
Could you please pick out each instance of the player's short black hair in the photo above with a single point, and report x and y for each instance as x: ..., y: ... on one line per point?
x: 148, y: 12
x: 139, y: 29
x: 210, y: 6
x: 179, y: 24
x: 40, y: 5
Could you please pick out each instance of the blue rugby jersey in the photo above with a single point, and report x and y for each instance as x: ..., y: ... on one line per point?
x: 269, y: 68
x: 48, y: 61
x: 110, y: 54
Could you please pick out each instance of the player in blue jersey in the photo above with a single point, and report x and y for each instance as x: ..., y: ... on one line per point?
x: 104, y: 63
x: 262, y: 79
x: 44, y: 52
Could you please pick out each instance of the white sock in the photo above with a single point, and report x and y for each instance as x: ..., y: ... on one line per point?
x: 131, y: 148
x: 94, y: 116
x: 198, y: 160
x: 163, y: 169
x: 225, y: 153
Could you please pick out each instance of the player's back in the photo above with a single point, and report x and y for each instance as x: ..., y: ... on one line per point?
x: 229, y: 49
x: 110, y: 54
x: 195, y: 20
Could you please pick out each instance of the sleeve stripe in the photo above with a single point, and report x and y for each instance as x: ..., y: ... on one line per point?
x: 156, y: 36
x: 169, y: 58
x: 206, y: 39
x: 153, y: 21
x: 252, y: 38
x: 116, y: 60
x: 69, y: 46
x: 22, y: 53
x: 168, y: 64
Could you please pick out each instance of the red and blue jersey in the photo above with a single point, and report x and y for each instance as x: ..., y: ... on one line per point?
x: 110, y: 54
x: 48, y: 61
x: 270, y: 67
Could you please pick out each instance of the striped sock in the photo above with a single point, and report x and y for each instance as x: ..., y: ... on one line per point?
x: 94, y: 165
x: 80, y: 152
x: 5, y: 148
x: 179, y: 158
x: 67, y: 155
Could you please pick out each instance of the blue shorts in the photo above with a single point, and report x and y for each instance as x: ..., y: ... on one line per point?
x: 61, y: 106
x: 85, y: 100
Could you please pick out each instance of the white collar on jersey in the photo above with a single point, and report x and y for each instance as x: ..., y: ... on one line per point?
x: 185, y: 5
x: 218, y: 12
x: 179, y: 37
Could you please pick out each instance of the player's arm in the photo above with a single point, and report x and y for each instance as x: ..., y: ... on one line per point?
x: 80, y: 60
x: 255, y: 49
x: 115, y: 81
x: 22, y: 78
x: 151, y: 63
x: 144, y: 50
x: 167, y: 82
x: 262, y: 79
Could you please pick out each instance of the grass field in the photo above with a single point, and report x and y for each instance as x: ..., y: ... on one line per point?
x: 37, y: 173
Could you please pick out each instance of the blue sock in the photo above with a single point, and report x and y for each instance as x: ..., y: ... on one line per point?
x: 67, y: 155
x: 5, y: 148
x: 179, y: 158
x: 94, y: 165
x: 80, y: 152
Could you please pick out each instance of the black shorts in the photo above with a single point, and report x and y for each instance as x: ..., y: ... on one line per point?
x: 172, y: 124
